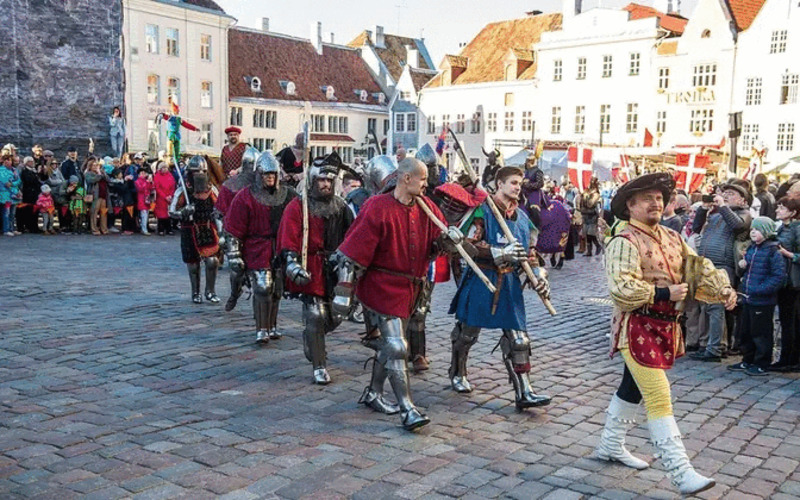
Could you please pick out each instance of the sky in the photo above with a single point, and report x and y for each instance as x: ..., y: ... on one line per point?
x: 445, y: 24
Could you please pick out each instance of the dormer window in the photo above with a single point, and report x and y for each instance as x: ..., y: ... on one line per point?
x: 255, y: 84
x: 330, y: 93
x: 381, y: 97
x: 706, y: 34
x: 363, y: 96
x: 291, y: 88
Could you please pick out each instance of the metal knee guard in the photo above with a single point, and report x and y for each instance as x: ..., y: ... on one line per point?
x: 463, y: 337
x: 516, y: 347
x: 194, y: 279
x: 212, y: 265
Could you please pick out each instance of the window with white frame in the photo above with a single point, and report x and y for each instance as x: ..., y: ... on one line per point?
x: 206, y: 134
x: 152, y: 89
x: 432, y: 124
x: 385, y: 126
x: 777, y: 44
x: 632, y: 118
x: 333, y: 124
x: 262, y: 143
x: 174, y: 89
x: 346, y: 153
x: 475, y: 163
x: 411, y: 122
x: 255, y: 84
x: 405, y: 95
x: 445, y: 121
x: 608, y: 62
x: 663, y: 78
x: 605, y: 118
x: 508, y: 124
x: 789, y: 88
x: 151, y: 38
x: 236, y: 116
x: 581, y: 74
x: 264, y: 118
x: 173, y: 42
x: 372, y: 125
x: 636, y: 59
x: 557, y: 70
x: 460, y: 124
x: 272, y: 119
x: 785, y: 137
x: 753, y: 92
x: 317, y: 151
x: 555, y: 120
x: 475, y: 124
x: 206, y: 98
x: 344, y: 125
x: 317, y: 123
x: 705, y: 75
x: 661, y: 121
x: 527, y: 121
x: 580, y: 119
x: 491, y: 122
x: 749, y: 136
x: 205, y: 47
x: 400, y: 122
x: 702, y: 120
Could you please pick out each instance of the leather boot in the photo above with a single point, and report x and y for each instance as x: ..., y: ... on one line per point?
x: 619, y: 416
x: 666, y: 439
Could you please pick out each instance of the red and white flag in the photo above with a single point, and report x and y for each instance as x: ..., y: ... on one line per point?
x: 579, y: 166
x: 690, y: 171
x: 622, y: 173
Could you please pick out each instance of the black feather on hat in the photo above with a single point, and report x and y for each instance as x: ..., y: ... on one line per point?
x: 661, y: 181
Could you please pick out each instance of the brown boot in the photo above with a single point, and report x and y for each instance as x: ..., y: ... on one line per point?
x: 420, y: 363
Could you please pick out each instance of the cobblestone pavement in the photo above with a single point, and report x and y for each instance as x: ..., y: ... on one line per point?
x: 113, y: 384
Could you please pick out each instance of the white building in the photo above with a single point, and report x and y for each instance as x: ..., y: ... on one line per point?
x: 487, y: 94
x: 767, y: 80
x: 175, y: 48
x: 277, y: 82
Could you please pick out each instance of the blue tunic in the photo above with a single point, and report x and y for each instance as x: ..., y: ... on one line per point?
x: 473, y: 302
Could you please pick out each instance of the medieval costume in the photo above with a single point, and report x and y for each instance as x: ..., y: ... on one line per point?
x: 252, y: 223
x: 174, y: 124
x: 231, y: 155
x: 493, y: 164
x: 642, y: 261
x: 227, y: 192
x: 589, y: 206
x: 291, y: 160
x: 329, y: 218
x: 199, y: 232
x: 476, y: 307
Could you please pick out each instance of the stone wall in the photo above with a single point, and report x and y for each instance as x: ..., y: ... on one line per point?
x: 61, y: 72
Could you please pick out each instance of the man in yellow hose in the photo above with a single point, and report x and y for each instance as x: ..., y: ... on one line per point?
x: 645, y: 265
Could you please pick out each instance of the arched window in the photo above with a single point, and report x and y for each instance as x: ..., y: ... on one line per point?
x: 291, y: 89
x: 255, y: 84
x: 381, y: 97
x: 330, y: 93
x: 363, y: 95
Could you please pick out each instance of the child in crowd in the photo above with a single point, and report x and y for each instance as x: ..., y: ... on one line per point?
x: 77, y: 206
x: 764, y: 275
x: 46, y: 207
x: 144, y: 185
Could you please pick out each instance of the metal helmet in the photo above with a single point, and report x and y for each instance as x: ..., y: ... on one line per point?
x: 427, y: 155
x: 378, y: 173
x: 249, y: 159
x: 325, y: 167
x: 267, y: 164
x: 197, y: 164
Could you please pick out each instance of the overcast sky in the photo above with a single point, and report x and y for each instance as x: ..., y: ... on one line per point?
x: 443, y: 23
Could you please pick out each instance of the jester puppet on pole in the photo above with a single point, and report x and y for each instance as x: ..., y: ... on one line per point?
x: 174, y: 124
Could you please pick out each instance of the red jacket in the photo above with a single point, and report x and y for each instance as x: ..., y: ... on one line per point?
x: 251, y: 223
x: 143, y: 189
x: 165, y: 189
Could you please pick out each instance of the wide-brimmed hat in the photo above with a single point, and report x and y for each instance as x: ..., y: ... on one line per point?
x: 661, y: 181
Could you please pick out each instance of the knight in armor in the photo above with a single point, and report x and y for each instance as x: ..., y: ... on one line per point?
x: 329, y: 218
x: 199, y: 233
x: 291, y: 160
x: 227, y: 191
x: 252, y: 223
x: 476, y: 307
x: 389, y: 248
x: 494, y: 162
x: 232, y: 154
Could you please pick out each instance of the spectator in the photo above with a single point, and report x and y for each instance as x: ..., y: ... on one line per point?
x: 9, y: 192
x: 589, y: 206
x: 27, y: 220
x: 125, y: 187
x: 39, y: 159
x: 98, y: 194
x: 144, y: 185
x: 115, y: 204
x: 669, y: 218
x: 116, y: 131
x: 720, y: 223
x: 788, y: 212
x: 767, y: 199
x: 46, y: 207
x: 58, y: 186
x: 69, y: 167
x: 77, y: 204
x: 165, y: 190
x: 43, y: 169
x: 765, y: 272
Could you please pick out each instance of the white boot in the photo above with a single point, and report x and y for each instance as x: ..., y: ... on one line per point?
x: 621, y: 415
x: 669, y: 448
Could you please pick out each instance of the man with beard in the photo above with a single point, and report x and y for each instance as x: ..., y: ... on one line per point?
x: 252, y: 222
x: 227, y: 191
x: 329, y: 218
x: 390, y: 245
x: 199, y: 237
x: 476, y: 307
x: 233, y: 152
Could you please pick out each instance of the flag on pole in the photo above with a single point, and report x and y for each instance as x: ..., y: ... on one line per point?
x: 579, y: 166
x: 690, y: 171
x: 622, y: 173
x: 440, y: 141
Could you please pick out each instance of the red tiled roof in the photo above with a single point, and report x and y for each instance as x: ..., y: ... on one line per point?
x: 394, y: 55
x: 420, y: 77
x: 206, y: 4
x: 331, y: 138
x: 745, y: 11
x: 274, y: 58
x: 671, y: 22
x: 486, y: 52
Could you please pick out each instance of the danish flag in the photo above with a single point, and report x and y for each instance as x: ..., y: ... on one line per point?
x: 622, y: 173
x: 579, y: 166
x: 690, y: 171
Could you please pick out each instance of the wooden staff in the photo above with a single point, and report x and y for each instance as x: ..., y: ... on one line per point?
x: 306, y: 164
x: 471, y: 263
x: 501, y: 220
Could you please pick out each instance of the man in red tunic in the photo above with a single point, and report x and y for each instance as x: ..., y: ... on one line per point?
x: 329, y: 218
x: 252, y: 222
x: 231, y: 155
x: 390, y: 244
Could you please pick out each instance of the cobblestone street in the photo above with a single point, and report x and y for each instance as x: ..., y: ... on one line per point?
x: 113, y: 384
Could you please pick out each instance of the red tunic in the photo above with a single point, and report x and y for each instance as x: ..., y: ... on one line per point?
x: 224, y: 199
x: 290, y: 237
x: 390, y: 236
x: 231, y: 159
x: 249, y: 221
x: 165, y: 188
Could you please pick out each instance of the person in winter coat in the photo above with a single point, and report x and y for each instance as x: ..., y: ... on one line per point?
x: 27, y: 221
x: 165, y: 189
x: 97, y: 187
x: 46, y: 207
x: 766, y: 198
x: 9, y: 193
x: 788, y: 212
x: 116, y: 130
x: 70, y: 167
x: 127, y: 193
x: 77, y: 205
x: 765, y: 273
x: 144, y: 186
